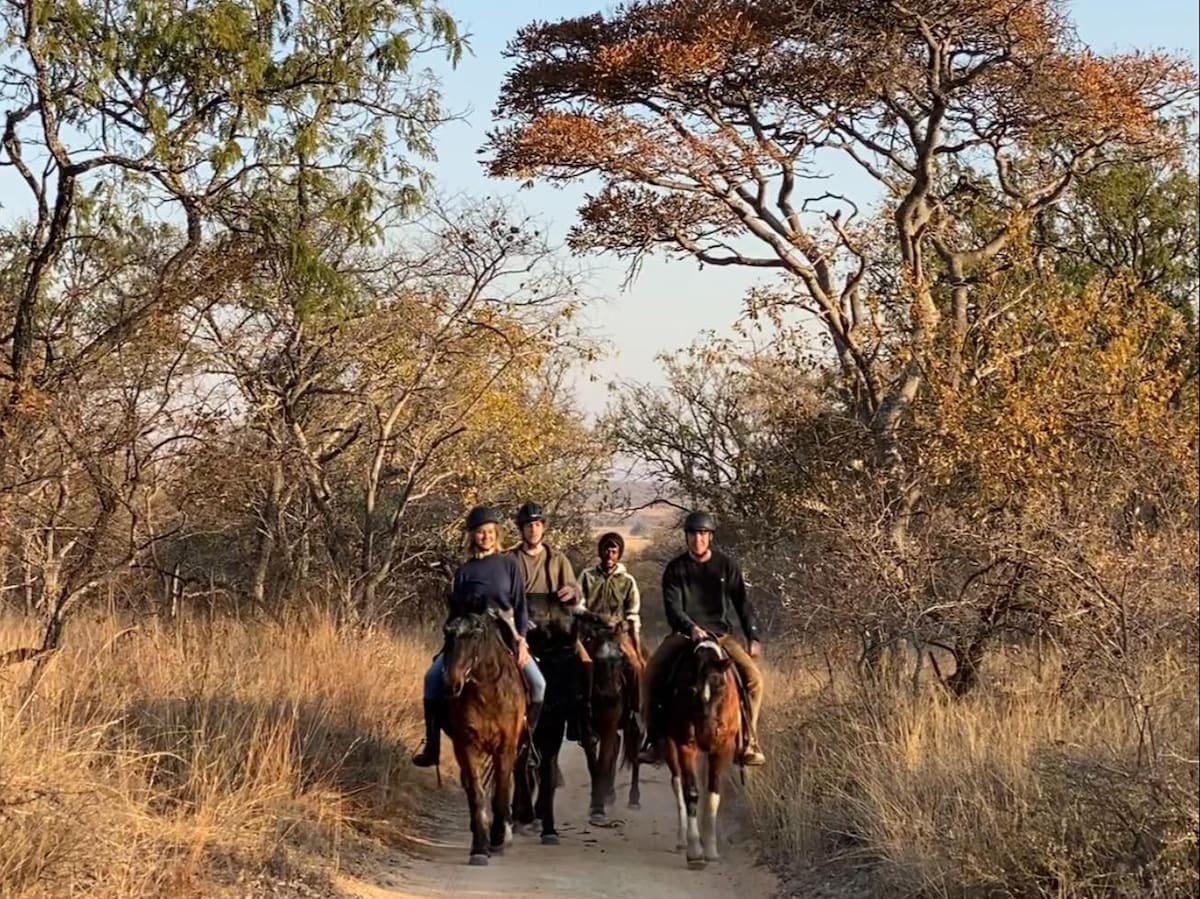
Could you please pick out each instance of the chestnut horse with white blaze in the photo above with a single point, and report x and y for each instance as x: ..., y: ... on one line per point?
x: 701, y: 720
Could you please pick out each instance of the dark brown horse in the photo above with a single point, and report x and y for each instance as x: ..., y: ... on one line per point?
x: 616, y: 688
x: 552, y: 643
x: 701, y: 721
x: 485, y: 711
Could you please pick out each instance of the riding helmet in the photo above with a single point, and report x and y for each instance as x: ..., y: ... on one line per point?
x: 699, y: 521
x: 615, y: 539
x: 482, y: 515
x: 529, y: 512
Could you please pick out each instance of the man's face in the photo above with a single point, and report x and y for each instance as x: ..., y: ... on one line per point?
x: 609, y: 556
x: 698, y: 542
x: 531, y: 532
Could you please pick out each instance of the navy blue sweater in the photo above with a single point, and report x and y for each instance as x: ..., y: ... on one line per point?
x: 491, y: 582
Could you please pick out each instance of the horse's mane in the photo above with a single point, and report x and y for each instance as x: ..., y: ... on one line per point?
x: 485, y: 632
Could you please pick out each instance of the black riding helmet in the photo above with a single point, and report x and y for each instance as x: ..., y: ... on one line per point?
x: 482, y: 515
x: 529, y: 512
x: 614, y: 539
x: 699, y: 521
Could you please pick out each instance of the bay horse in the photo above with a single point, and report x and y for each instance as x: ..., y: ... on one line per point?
x: 616, y: 688
x: 485, y: 718
x: 552, y: 643
x: 701, y: 720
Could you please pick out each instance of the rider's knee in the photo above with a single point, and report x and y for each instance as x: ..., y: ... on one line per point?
x: 433, y: 681
x: 536, y: 681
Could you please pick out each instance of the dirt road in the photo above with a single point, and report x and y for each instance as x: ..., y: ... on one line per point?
x: 635, y: 859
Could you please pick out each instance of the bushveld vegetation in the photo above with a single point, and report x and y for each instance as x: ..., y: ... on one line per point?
x: 254, y: 369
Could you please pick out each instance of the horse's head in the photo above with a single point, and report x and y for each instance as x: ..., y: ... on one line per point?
x: 466, y: 639
x: 601, y: 638
x: 710, y: 683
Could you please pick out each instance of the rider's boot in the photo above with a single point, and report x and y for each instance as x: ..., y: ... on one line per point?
x: 431, y: 754
x: 587, y: 735
x: 752, y: 755
x: 533, y: 712
x: 650, y: 754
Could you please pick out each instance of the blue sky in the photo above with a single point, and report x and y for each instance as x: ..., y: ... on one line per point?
x: 672, y: 302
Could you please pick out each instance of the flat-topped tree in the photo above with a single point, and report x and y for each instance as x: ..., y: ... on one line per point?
x: 710, y: 123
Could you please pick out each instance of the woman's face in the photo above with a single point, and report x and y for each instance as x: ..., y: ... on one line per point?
x: 484, y: 538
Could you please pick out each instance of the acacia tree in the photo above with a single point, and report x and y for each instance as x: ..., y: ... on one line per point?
x: 710, y: 124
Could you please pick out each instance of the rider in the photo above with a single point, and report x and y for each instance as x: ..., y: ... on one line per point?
x: 611, y: 591
x: 549, y: 577
x: 702, y: 590
x: 487, y: 580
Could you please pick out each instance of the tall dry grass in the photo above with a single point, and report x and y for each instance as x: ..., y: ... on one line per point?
x: 183, y: 760
x: 1023, y: 790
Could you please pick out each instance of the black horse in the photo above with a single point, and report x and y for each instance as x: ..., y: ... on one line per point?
x: 552, y: 644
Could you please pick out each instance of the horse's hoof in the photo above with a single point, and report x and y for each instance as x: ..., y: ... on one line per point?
x: 697, y: 864
x: 712, y: 858
x: 635, y: 805
x: 597, y: 819
x: 478, y: 860
x: 549, y: 839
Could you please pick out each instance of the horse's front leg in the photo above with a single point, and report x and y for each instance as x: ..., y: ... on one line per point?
x: 549, y: 743
x: 633, y: 737
x: 522, y: 808
x: 503, y: 763
x: 674, y: 765
x: 595, y: 772
x: 717, y: 763
x: 691, y: 798
x: 470, y: 766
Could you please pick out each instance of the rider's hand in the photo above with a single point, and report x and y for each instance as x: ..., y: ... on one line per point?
x: 522, y: 652
x: 566, y: 593
x: 698, y: 632
x: 755, y: 649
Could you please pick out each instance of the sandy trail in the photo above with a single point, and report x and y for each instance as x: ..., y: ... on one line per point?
x: 635, y: 859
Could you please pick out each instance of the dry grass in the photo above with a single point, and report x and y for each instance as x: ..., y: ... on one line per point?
x: 184, y: 760
x: 1018, y: 791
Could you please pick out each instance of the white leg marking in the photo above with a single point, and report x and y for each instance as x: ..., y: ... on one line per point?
x: 681, y: 808
x: 712, y: 802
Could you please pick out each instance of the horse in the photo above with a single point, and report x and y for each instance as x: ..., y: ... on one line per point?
x: 616, y: 687
x: 701, y: 718
x: 485, y: 718
x: 552, y: 643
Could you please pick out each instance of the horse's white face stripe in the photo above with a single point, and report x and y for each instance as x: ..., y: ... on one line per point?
x: 608, y: 651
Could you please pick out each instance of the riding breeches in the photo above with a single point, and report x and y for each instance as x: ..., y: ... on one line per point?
x: 435, y: 681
